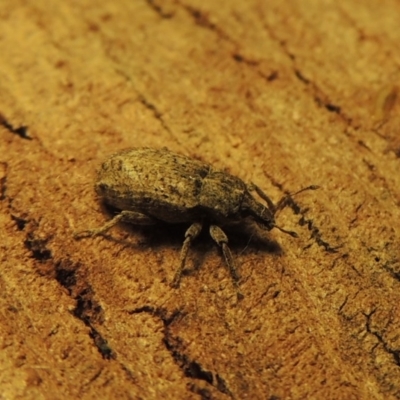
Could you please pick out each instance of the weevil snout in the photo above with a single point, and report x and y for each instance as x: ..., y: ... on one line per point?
x: 266, y: 220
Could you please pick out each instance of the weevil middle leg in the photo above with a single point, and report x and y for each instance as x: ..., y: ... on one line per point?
x: 191, y: 234
x: 219, y: 237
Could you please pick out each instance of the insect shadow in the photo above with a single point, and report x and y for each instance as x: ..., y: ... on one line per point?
x: 244, y: 238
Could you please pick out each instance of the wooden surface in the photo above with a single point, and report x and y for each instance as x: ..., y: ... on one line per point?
x: 282, y: 93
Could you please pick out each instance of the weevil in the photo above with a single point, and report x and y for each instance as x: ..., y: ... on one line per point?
x: 151, y: 185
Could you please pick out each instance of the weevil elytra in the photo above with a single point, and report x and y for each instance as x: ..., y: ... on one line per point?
x: 151, y: 185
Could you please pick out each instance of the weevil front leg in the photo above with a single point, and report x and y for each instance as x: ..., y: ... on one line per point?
x: 191, y: 234
x: 251, y: 187
x: 221, y: 239
x: 283, y: 202
x: 132, y: 217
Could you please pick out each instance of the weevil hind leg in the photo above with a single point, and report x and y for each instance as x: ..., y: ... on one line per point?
x: 131, y: 217
x: 219, y: 237
x: 191, y: 234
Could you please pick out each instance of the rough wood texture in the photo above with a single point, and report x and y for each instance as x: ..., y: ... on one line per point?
x: 282, y: 93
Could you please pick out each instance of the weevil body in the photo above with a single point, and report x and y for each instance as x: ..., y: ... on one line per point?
x: 150, y: 185
x: 169, y: 187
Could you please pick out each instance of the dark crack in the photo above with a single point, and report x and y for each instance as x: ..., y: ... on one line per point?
x: 192, y: 369
x: 20, y: 222
x: 38, y: 248
x: 204, y: 393
x: 222, y: 386
x: 329, y: 106
x: 395, y: 353
x: 241, y: 59
x: 317, y: 236
x: 157, y: 114
x: 342, y: 306
x: 202, y: 19
x: 332, y: 108
x: 154, y: 5
x: 21, y: 131
x: 174, y: 344
x: 66, y: 276
x: 102, y: 345
x: 87, y: 309
x: 272, y: 76
x: 320, y: 98
x: 301, y: 77
x: 3, y: 180
x: 392, y: 267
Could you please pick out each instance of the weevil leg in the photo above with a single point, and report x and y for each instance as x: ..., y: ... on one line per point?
x: 131, y: 217
x: 285, y: 200
x: 254, y: 188
x: 191, y: 234
x: 221, y: 239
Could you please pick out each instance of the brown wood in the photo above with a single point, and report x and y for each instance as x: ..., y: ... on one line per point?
x: 282, y: 93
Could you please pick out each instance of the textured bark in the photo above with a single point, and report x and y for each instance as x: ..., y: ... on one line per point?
x: 282, y: 93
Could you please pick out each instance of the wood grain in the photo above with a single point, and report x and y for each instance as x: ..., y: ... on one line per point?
x: 282, y: 93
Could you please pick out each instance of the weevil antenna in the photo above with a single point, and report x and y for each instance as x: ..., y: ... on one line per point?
x: 291, y: 233
x: 285, y: 201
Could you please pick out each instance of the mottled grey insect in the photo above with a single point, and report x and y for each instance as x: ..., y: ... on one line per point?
x: 150, y: 185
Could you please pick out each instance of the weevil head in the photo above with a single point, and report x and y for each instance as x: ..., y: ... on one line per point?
x: 265, y: 218
x: 267, y: 221
x: 263, y: 215
x: 258, y: 211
